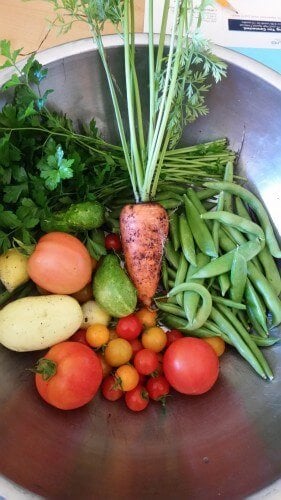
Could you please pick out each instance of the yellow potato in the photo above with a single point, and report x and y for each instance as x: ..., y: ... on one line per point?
x: 35, y: 323
x: 13, y: 269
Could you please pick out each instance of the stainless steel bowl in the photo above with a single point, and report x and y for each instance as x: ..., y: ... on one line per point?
x: 224, y: 444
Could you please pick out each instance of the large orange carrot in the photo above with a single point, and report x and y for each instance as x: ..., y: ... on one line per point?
x: 144, y: 229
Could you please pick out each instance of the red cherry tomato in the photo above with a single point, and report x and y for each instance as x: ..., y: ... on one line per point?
x: 69, y: 375
x: 110, y: 388
x: 191, y: 366
x: 112, y: 242
x: 173, y: 335
x: 129, y: 327
x: 146, y: 361
x: 137, y: 399
x: 136, y: 346
x: 158, y: 388
x: 60, y: 263
x: 79, y: 336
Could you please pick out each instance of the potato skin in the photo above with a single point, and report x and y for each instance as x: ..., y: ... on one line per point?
x: 13, y: 269
x: 34, y: 323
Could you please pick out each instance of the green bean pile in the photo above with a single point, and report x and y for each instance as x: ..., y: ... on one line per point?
x: 219, y: 270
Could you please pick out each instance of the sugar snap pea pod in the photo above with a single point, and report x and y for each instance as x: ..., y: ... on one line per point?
x: 216, y: 225
x: 248, y: 340
x: 238, y: 237
x: 255, y: 326
x: 223, y: 264
x: 193, y: 197
x: 171, y: 255
x: 233, y: 220
x: 171, y: 273
x: 228, y: 302
x: 181, y: 276
x: 252, y: 300
x: 228, y: 177
x: 203, y: 311
x: 186, y: 240
x: 241, y: 209
x: 191, y: 299
x: 267, y: 292
x: 256, y: 206
x: 224, y: 282
x: 244, y: 319
x: 238, y: 277
x: 270, y: 269
x: 170, y: 308
x: 170, y: 203
x: 164, y: 274
x: 205, y: 194
x: 199, y: 229
x: 174, y: 230
x: 264, y: 342
x: 168, y: 195
x: 226, y: 326
x: 173, y: 321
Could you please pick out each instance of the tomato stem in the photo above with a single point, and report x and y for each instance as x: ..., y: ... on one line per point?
x: 46, y: 367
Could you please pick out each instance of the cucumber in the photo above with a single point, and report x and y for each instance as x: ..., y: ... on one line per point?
x: 113, y: 289
x: 82, y: 216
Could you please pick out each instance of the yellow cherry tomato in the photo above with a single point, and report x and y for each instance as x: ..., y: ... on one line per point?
x: 147, y: 317
x: 217, y: 344
x: 154, y: 338
x: 97, y: 335
x: 127, y: 377
x: 118, y: 352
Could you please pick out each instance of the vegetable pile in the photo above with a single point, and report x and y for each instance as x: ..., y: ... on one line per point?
x: 110, y: 246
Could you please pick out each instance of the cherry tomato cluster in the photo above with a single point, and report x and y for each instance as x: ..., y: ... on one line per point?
x: 142, y: 362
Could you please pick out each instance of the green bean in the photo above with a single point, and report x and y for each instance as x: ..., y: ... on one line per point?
x: 216, y: 225
x: 248, y: 340
x: 267, y: 292
x: 164, y: 274
x: 199, y: 229
x: 233, y: 220
x: 191, y: 299
x: 181, y: 276
x: 204, y: 311
x: 271, y: 270
x: 252, y: 300
x: 256, y: 206
x: 224, y: 282
x: 237, y: 341
x: 174, y: 230
x: 173, y: 321
x: 238, y: 277
x: 228, y: 302
x: 186, y: 240
x: 243, y: 318
x: 171, y: 255
x: 223, y: 264
x: 212, y: 327
x: 264, y: 342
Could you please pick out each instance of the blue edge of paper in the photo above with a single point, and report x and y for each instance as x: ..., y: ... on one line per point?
x: 268, y: 57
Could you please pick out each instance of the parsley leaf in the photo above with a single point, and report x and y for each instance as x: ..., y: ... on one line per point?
x: 54, y: 168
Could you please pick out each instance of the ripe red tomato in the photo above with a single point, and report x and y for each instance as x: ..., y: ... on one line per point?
x: 137, y: 399
x: 136, y: 346
x: 173, y: 335
x: 79, y: 336
x: 60, y: 263
x: 110, y: 389
x: 129, y: 327
x: 158, y: 388
x: 112, y: 242
x: 191, y: 366
x: 146, y: 361
x: 69, y: 375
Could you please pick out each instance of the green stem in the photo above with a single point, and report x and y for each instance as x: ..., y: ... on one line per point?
x: 130, y: 99
x: 151, y: 75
